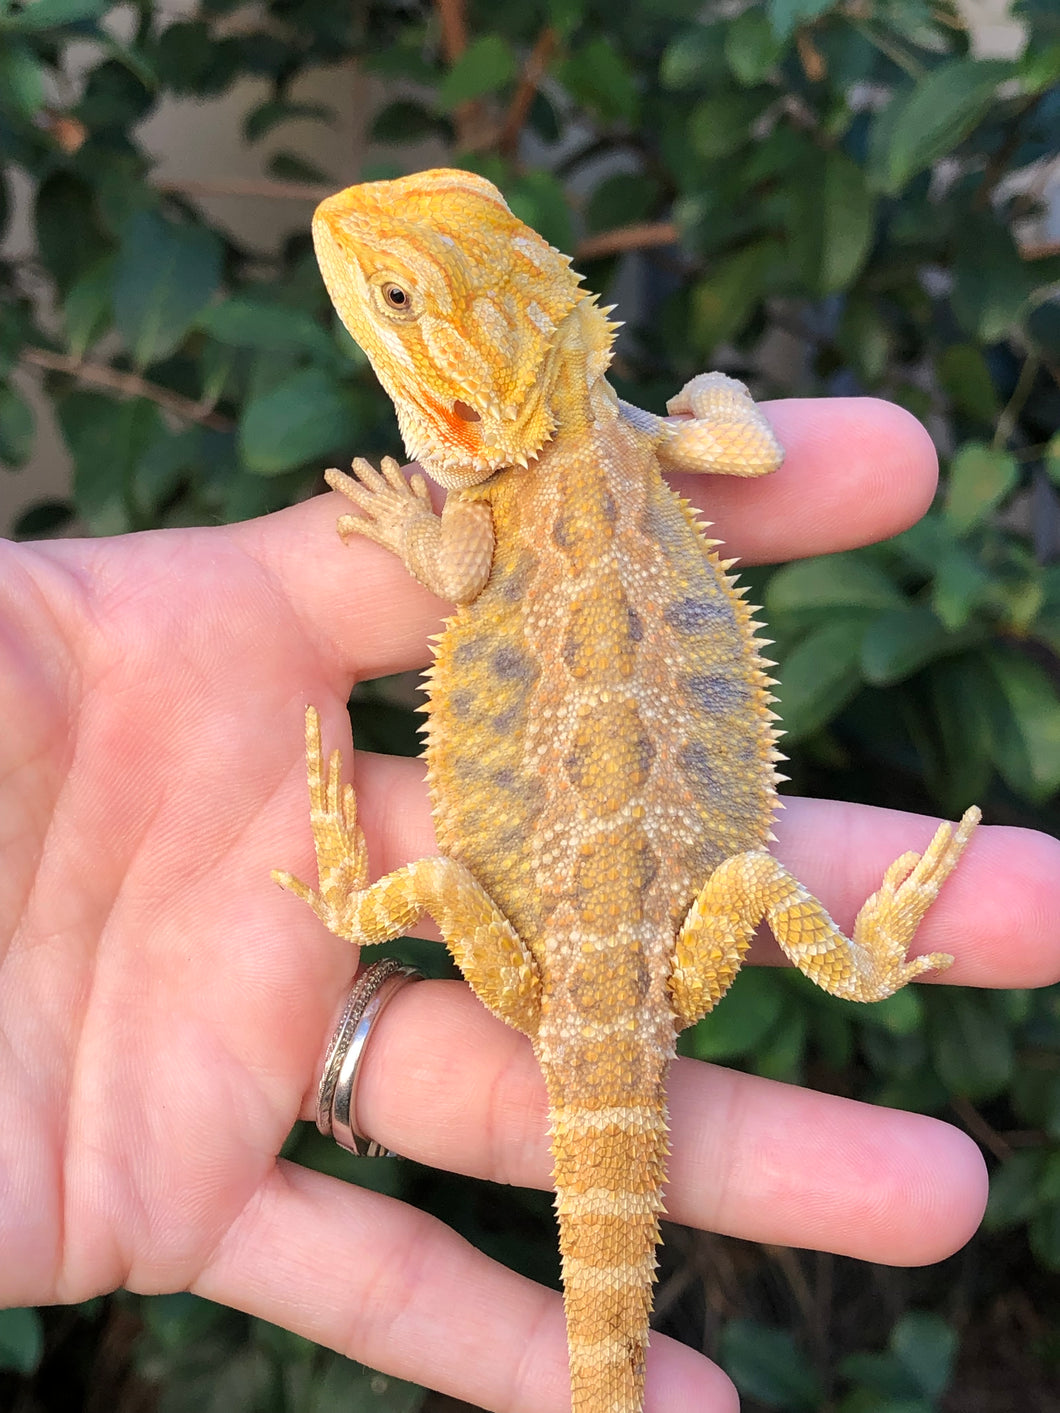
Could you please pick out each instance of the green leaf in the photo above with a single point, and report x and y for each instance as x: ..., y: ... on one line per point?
x: 966, y: 378
x: 925, y: 1347
x: 121, y: 187
x: 248, y: 322
x: 786, y: 16
x: 404, y: 120
x: 404, y: 58
x: 834, y: 222
x: 901, y: 1013
x: 1051, y: 460
x: 724, y: 300
x: 782, y: 1054
x: 266, y: 116
x: 486, y: 65
x: 865, y: 338
x: 619, y: 200
x: 64, y: 204
x: 739, y: 1025
x: 43, y: 518
x: 169, y: 461
x: 930, y: 120
x: 21, y: 80
x: 1014, y: 1198
x: 117, y: 94
x: 296, y: 421
x: 17, y: 428
x: 289, y: 167
x: 752, y: 46
x: 1026, y: 736
x: 538, y: 198
x: 106, y: 439
x: 767, y: 1365
x: 883, y: 1384
x: 957, y: 753
x: 980, y: 478
x: 1043, y: 1236
x: 167, y: 274
x: 720, y: 125
x: 694, y: 58
x: 87, y: 311
x: 993, y: 284
x: 50, y: 14
x: 831, y: 581
x: 21, y: 1340
x: 900, y: 641
x: 599, y: 76
x: 821, y: 675
x: 1039, y: 69
x: 971, y: 1044
x: 959, y: 587
x: 191, y: 59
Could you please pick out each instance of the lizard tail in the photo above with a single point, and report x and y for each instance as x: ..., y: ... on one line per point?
x: 610, y: 1159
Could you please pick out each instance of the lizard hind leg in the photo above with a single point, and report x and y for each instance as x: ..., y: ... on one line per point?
x: 867, y: 966
x: 494, y: 959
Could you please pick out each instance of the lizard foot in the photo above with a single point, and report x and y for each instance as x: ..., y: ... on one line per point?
x: 724, y: 432
x: 887, y: 921
x: 387, y: 499
x: 342, y: 857
x: 707, y: 394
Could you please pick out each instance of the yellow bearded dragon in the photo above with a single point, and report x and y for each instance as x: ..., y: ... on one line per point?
x: 600, y: 745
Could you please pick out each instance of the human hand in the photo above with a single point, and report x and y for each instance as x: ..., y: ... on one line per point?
x: 164, y: 1009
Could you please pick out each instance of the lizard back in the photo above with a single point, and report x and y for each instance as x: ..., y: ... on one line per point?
x: 599, y: 740
x: 603, y: 695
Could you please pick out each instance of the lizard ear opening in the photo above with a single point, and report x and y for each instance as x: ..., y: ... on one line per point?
x: 464, y: 412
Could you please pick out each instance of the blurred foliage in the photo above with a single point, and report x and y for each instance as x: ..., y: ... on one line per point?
x: 821, y: 198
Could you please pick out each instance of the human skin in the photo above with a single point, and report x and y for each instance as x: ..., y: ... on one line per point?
x: 164, y: 1008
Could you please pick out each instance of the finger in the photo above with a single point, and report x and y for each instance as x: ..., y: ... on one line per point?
x: 856, y: 470
x: 397, y: 1290
x: 750, y: 1157
x: 996, y: 913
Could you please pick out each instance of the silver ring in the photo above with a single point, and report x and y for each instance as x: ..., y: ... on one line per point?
x: 337, y: 1094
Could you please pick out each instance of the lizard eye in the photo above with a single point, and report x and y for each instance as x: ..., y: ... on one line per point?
x: 395, y: 297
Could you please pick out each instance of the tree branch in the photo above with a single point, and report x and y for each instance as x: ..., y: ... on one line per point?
x: 646, y: 235
x: 102, y: 375
x: 529, y: 81
x: 237, y: 186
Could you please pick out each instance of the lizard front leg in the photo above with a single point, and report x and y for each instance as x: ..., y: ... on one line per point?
x: 865, y: 967
x: 723, y: 433
x: 451, y: 554
x: 495, y: 961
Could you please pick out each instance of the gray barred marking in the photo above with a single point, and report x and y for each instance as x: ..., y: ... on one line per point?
x: 698, y: 615
x: 718, y: 693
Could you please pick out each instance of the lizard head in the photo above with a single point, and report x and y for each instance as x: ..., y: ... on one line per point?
x: 462, y: 311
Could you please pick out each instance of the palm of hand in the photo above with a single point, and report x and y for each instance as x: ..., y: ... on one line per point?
x: 163, y: 1025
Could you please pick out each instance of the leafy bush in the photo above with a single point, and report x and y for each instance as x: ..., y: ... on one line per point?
x: 847, y: 183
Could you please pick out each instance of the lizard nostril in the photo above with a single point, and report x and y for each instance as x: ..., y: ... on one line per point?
x: 465, y: 413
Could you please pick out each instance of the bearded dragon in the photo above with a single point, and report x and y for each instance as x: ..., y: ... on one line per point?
x: 601, y: 750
